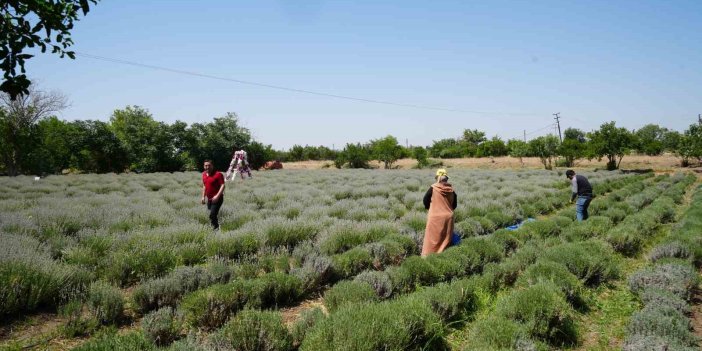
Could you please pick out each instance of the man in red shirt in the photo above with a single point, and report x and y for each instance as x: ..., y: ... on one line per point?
x: 212, y: 191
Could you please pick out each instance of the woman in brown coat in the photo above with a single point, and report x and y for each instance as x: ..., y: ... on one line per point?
x: 440, y: 200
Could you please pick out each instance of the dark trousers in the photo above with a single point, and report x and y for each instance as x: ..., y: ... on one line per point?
x: 214, y: 207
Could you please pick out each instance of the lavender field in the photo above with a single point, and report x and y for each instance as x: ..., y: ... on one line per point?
x: 329, y: 260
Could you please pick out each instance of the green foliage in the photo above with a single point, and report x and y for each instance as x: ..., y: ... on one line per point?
x: 650, y: 139
x: 76, y: 322
x: 543, y: 311
x: 168, y: 290
x: 690, y: 145
x: 499, y: 333
x: 106, y: 302
x: 112, y: 341
x: 348, y: 292
x: 351, y: 262
x: 545, y: 148
x: 354, y: 155
x: 386, y: 150
x: 308, y: 319
x: 162, y: 326
x: 557, y: 274
x: 593, y: 262
x: 664, y: 322
x: 573, y: 147
x: 611, y: 142
x: 253, y: 330
x: 24, y: 25
x: 396, y: 325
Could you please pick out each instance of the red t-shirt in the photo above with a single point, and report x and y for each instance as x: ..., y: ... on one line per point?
x: 212, y: 183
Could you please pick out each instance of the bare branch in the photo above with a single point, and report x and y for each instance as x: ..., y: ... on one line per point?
x: 28, y: 109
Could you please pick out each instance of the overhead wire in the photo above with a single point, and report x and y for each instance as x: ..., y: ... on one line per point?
x: 296, y: 90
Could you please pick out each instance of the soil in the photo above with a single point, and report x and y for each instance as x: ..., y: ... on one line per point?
x: 696, y: 318
x: 292, y: 314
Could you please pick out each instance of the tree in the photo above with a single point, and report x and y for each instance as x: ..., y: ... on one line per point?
x: 23, y: 24
x: 471, y: 139
x: 445, y: 148
x: 573, y: 147
x: 670, y: 140
x: 296, y: 153
x: 140, y: 135
x: 690, y: 145
x: 611, y: 142
x: 494, y: 147
x: 420, y: 154
x: 219, y: 139
x: 649, y: 139
x: 259, y: 154
x: 97, y: 148
x: 57, y: 140
x: 386, y: 150
x: 545, y: 148
x: 518, y: 148
x: 17, y: 120
x: 355, y: 155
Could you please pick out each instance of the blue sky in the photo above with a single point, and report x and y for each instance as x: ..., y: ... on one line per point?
x: 504, y: 66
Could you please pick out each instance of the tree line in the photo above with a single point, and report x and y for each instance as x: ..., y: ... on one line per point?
x: 609, y: 142
x: 34, y: 141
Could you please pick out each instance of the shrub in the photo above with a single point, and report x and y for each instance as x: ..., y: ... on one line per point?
x: 500, y: 219
x: 392, y: 325
x: 625, y: 240
x: 675, y: 278
x: 315, y: 270
x: 253, y: 330
x: 348, y: 292
x: 498, y: 333
x: 556, y: 273
x: 469, y: 227
x: 593, y: 262
x: 308, y: 319
x: 595, y: 226
x: 540, y: 229
x: 351, y: 262
x: 665, y: 322
x: 506, y: 239
x: 672, y: 249
x: 224, y: 245
x: 162, y: 326
x: 168, y: 291
x: 130, y: 265
x: 543, y: 311
x: 280, y: 289
x: 651, y: 342
x: 111, y: 341
x: 211, y: 307
x: 105, y: 302
x: 657, y: 297
x: 76, y: 322
x: 379, y: 281
x: 418, y: 271
x: 449, y: 301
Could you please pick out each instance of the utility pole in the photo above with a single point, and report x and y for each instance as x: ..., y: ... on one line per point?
x: 558, y: 122
x: 525, y: 135
x: 699, y: 118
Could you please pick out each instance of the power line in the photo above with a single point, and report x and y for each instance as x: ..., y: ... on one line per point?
x: 548, y: 126
x: 295, y: 90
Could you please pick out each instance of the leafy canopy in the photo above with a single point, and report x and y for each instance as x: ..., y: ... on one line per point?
x: 29, y: 23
